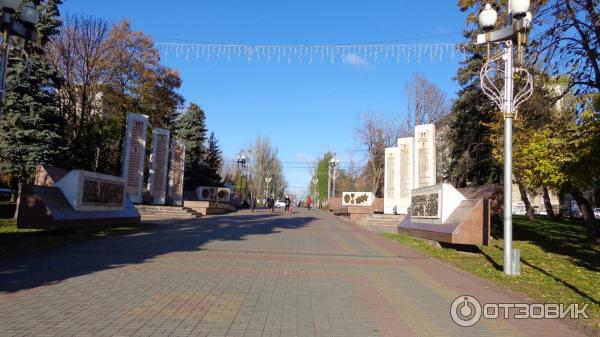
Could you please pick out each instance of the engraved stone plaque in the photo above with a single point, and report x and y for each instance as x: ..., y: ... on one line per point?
x: 425, y: 158
x: 157, y: 182
x: 391, y: 180
x: 91, y: 191
x: 134, y: 155
x: 405, y: 176
x: 98, y: 192
x: 426, y: 206
x: 176, y: 173
x: 358, y: 198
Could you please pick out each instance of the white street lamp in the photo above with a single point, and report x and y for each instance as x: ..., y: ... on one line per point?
x: 519, y: 8
x: 506, y: 100
x: 14, y: 24
x: 30, y: 15
x: 488, y: 17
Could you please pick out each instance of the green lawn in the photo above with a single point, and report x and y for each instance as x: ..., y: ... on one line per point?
x: 14, y: 241
x: 558, y: 265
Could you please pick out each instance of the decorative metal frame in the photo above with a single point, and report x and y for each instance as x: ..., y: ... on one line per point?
x: 493, y: 73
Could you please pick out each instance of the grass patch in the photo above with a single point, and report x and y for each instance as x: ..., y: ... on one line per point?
x: 558, y: 265
x: 15, y: 241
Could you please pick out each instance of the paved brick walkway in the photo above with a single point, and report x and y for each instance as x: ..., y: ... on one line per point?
x: 306, y: 274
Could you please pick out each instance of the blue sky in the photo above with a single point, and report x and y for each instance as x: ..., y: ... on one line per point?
x: 305, y: 109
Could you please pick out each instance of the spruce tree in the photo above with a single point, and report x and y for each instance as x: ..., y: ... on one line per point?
x: 191, y: 128
x: 31, y: 129
x: 213, y: 161
x: 471, y: 154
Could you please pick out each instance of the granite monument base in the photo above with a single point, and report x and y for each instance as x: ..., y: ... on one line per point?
x: 44, y: 207
x: 469, y: 223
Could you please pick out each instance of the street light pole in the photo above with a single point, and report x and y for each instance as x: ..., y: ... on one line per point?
x: 268, y: 181
x: 506, y: 100
x: 333, y: 167
x: 241, y: 161
x: 14, y: 23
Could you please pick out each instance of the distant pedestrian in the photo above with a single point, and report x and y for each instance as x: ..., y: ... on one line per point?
x: 271, y: 203
x: 253, y: 202
x: 287, y: 201
x: 308, y: 202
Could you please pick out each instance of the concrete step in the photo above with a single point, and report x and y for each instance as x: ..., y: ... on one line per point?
x: 382, y: 220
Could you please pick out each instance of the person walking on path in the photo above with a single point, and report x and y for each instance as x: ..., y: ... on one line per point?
x: 253, y: 202
x: 287, y: 203
x: 308, y: 202
x: 271, y: 203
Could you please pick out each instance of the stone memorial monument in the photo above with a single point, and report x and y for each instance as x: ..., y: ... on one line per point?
x: 159, y: 159
x: 359, y: 199
x: 391, y: 184
x: 134, y: 154
x: 90, y: 191
x: 446, y: 214
x: 77, y: 199
x: 424, y: 156
x: 405, y: 177
x: 410, y: 165
x: 207, y: 193
x: 176, y: 172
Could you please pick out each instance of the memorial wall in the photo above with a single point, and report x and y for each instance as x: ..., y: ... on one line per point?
x: 410, y: 165
x: 134, y: 154
x: 176, y: 172
x: 159, y: 160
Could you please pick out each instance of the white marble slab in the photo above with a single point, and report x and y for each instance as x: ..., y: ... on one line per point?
x: 358, y: 199
x: 134, y: 155
x: 91, y: 191
x: 434, y: 204
x: 159, y: 161
x: 391, y: 184
x: 405, y: 174
x: 176, y: 172
x: 424, y: 156
x: 208, y: 193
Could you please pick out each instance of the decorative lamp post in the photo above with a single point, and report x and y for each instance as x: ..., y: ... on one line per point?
x: 333, y: 168
x: 15, y: 23
x: 515, y: 32
x: 241, y: 161
x: 315, y: 182
x: 268, y: 181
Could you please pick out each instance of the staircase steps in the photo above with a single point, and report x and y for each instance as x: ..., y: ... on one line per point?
x: 150, y: 212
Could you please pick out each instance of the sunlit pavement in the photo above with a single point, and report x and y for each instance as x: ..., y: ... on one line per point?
x: 245, y: 274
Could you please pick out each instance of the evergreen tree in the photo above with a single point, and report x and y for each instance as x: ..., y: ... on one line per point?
x: 471, y: 154
x: 31, y: 129
x: 191, y: 128
x: 213, y: 161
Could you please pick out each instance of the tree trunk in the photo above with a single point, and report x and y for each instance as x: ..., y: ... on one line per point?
x: 525, y: 199
x: 548, y: 203
x: 596, y: 197
x: 563, y: 209
x: 588, y: 214
x: 19, y: 188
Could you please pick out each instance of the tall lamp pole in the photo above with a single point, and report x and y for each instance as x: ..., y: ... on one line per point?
x: 334, y: 164
x: 16, y: 20
x: 515, y: 32
x: 241, y: 161
x: 268, y: 181
x: 315, y: 182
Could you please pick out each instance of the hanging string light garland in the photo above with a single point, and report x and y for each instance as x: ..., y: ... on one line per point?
x: 349, y: 54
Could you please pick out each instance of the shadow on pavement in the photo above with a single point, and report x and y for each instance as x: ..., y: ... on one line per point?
x: 59, y: 264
